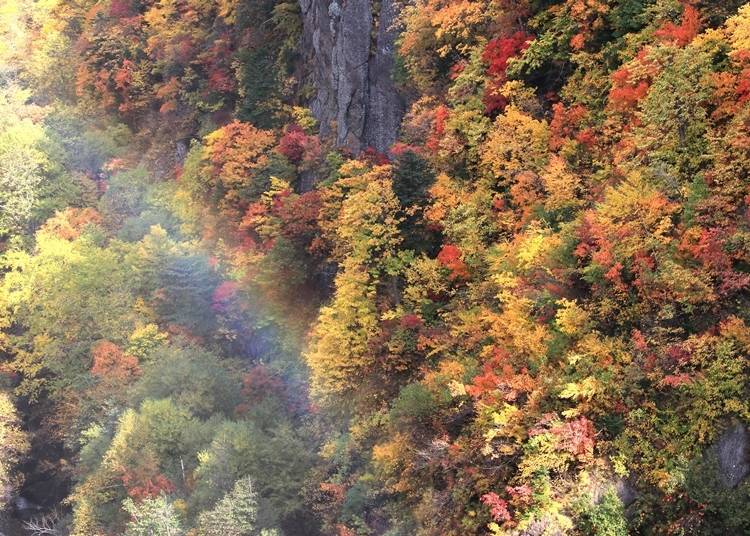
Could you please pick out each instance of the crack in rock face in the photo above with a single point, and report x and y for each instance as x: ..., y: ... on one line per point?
x: 351, y: 58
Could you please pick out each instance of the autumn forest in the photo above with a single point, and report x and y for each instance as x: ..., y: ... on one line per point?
x: 374, y: 267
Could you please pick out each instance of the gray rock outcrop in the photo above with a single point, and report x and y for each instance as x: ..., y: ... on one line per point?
x: 350, y: 47
x: 733, y: 453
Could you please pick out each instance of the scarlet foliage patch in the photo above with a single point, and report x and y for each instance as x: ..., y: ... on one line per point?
x: 411, y: 321
x: 675, y: 380
x: 438, y: 128
x: 110, y: 362
x: 520, y: 495
x: 499, y: 381
x: 496, y: 54
x: 299, y: 215
x: 292, y: 144
x: 709, y: 246
x: 743, y: 86
x: 626, y: 92
x: 576, y: 437
x: 566, y: 124
x: 220, y: 76
x: 141, y: 487
x: 399, y: 149
x: 632, y: 82
x: 639, y: 341
x: 296, y: 216
x: 450, y: 257
x: 498, y: 507
x: 499, y: 50
x: 374, y: 157
x: 681, y: 34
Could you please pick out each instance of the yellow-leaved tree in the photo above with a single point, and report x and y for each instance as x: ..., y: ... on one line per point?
x: 367, y: 237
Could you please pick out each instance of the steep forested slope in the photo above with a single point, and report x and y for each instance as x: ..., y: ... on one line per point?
x: 438, y: 267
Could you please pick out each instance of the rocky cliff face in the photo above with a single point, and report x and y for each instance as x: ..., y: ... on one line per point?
x: 350, y: 47
x: 733, y: 452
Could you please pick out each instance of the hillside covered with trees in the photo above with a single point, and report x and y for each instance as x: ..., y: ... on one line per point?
x: 374, y: 268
